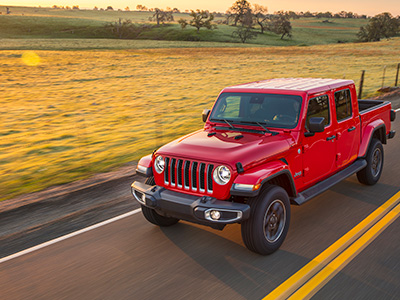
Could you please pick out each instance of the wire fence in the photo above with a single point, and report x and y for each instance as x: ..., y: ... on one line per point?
x: 386, y: 77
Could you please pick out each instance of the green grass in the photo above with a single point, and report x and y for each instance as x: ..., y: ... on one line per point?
x: 45, y: 23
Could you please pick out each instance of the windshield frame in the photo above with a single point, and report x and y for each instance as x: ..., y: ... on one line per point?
x: 247, y: 120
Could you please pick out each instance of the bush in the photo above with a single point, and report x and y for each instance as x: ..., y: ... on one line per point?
x: 126, y: 29
x: 244, y: 33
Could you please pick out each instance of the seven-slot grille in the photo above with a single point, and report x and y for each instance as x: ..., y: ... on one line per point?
x: 188, y: 175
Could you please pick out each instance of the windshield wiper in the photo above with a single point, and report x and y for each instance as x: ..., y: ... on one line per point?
x: 224, y: 120
x: 262, y: 126
x: 243, y: 129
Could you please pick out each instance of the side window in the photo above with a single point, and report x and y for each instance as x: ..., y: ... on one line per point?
x: 343, y: 105
x: 318, y: 107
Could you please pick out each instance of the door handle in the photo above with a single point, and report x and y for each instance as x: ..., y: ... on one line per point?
x: 331, y: 138
x: 351, y: 128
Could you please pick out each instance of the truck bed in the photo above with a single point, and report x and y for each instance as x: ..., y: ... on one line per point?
x: 364, y: 105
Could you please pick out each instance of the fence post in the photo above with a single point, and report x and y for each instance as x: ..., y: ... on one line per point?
x: 383, y: 77
x: 361, y: 84
x: 397, y: 74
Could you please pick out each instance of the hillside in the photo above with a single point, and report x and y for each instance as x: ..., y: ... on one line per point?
x: 48, y: 23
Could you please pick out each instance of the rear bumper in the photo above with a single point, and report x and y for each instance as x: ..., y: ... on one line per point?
x: 190, y: 208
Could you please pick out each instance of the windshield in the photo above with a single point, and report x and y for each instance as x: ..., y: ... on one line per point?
x: 272, y: 110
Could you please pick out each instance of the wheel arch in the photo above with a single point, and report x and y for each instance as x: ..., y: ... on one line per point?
x: 283, y: 179
x: 376, y: 129
x: 274, y: 173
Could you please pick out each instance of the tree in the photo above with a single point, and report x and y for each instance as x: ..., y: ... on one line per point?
x: 244, y: 33
x: 127, y: 8
x: 162, y: 16
x: 380, y: 26
x: 141, y: 7
x: 201, y: 18
x: 239, y: 9
x: 121, y: 29
x: 280, y: 24
x: 308, y: 14
x: 261, y: 16
x: 247, y: 19
x: 183, y: 23
x: 109, y: 8
x: 229, y: 15
x: 292, y: 15
x: 126, y: 29
x: 326, y: 15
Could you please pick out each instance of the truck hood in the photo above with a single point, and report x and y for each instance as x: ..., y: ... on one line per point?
x: 223, y: 148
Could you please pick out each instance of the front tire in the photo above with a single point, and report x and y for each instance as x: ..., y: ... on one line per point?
x: 153, y: 217
x: 372, y: 172
x: 266, y: 229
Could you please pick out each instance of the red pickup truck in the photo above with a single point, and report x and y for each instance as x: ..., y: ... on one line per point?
x: 265, y: 145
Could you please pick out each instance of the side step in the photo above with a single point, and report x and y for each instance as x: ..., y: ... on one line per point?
x: 322, y: 186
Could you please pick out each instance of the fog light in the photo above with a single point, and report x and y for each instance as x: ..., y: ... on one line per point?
x: 215, y: 214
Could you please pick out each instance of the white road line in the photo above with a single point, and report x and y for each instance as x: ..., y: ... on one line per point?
x: 70, y: 235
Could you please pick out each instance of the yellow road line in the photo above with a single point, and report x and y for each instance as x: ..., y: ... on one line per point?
x: 293, y: 283
x: 327, y: 273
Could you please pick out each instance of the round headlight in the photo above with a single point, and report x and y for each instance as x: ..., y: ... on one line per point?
x: 222, y: 175
x: 159, y: 164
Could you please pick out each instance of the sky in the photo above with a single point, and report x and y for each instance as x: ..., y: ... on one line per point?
x: 368, y: 7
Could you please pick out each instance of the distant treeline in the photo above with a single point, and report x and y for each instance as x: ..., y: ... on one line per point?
x: 291, y: 14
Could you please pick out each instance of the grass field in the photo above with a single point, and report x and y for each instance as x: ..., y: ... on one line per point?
x: 70, y: 114
x: 47, y: 23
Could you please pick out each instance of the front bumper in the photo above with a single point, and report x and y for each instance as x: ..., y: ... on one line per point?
x: 195, y: 209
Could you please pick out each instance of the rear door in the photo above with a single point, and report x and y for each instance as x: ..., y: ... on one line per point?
x: 348, y: 127
x: 319, y: 149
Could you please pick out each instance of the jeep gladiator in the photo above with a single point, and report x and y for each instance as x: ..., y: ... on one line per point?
x: 265, y: 145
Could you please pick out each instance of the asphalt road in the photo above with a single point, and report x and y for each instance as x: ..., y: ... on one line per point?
x: 132, y: 259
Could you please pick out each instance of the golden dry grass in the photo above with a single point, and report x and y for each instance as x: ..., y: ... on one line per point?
x: 82, y: 112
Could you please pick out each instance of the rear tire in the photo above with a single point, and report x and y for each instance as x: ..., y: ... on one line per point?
x: 266, y: 229
x: 372, y: 172
x: 153, y: 217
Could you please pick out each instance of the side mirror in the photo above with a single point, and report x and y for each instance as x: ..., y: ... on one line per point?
x: 316, y: 124
x: 205, y: 114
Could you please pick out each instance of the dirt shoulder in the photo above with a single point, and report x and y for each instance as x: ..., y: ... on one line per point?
x: 392, y: 96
